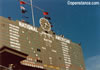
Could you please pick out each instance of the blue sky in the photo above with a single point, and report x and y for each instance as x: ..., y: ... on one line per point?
x: 78, y: 23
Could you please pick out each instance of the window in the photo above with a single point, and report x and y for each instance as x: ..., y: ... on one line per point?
x: 38, y: 50
x: 39, y: 61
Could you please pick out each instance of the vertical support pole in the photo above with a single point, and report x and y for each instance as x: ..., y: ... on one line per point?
x: 32, y: 13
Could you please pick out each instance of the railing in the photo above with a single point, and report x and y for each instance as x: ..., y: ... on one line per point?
x: 5, y: 68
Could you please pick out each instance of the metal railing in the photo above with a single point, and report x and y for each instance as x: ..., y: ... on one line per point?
x: 5, y: 68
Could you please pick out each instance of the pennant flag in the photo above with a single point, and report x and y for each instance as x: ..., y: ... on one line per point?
x: 23, y: 9
x: 9, y: 18
x: 22, y: 2
x: 45, y: 13
x: 47, y: 18
x: 51, y: 25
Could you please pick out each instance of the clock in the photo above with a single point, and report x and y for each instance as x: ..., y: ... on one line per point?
x: 45, y: 25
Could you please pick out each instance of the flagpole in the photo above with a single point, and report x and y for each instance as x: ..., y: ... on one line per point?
x: 32, y: 13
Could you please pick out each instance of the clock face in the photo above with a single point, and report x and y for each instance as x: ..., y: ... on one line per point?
x: 45, y: 24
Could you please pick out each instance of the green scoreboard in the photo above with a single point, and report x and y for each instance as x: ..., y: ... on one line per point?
x: 44, y: 49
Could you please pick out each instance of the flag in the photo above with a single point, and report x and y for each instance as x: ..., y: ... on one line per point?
x: 22, y: 2
x: 51, y: 25
x: 23, y: 9
x: 9, y: 18
x: 47, y: 18
x: 45, y: 13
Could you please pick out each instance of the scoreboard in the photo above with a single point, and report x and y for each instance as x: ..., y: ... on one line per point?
x: 45, y: 49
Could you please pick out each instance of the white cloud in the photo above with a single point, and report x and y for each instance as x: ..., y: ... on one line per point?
x: 93, y: 63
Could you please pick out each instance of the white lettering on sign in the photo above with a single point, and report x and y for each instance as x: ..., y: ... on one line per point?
x: 54, y: 51
x: 48, y: 36
x: 27, y: 26
x: 44, y: 48
x: 62, y: 39
x: 48, y: 43
x: 14, y: 36
x: 13, y: 26
x: 48, y: 40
